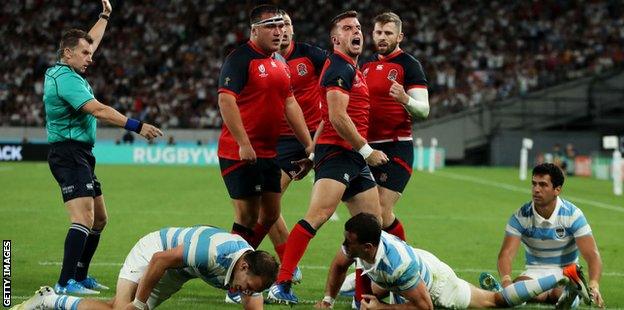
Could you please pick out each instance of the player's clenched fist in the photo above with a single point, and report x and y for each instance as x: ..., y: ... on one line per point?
x: 377, y: 158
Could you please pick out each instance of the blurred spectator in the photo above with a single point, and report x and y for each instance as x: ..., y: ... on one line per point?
x: 163, y: 65
x: 128, y: 138
x: 171, y: 141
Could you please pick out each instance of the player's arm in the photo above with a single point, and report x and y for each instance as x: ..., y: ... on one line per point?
x: 252, y: 302
x: 109, y: 115
x: 337, y: 102
x: 508, y: 251
x: 294, y: 117
x: 335, y: 277
x: 160, y: 262
x: 97, y: 31
x: 415, y: 100
x: 232, y: 119
x: 417, y: 298
x: 587, y: 246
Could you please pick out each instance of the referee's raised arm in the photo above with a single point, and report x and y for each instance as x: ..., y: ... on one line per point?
x: 97, y: 31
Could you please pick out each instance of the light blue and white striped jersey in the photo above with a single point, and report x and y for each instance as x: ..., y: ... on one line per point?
x: 397, y: 266
x: 210, y: 253
x: 549, y: 242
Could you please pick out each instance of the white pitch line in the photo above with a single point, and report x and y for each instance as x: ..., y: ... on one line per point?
x: 518, y: 189
x: 313, y: 267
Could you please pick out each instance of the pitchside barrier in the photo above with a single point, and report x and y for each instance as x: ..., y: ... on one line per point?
x: 182, y: 153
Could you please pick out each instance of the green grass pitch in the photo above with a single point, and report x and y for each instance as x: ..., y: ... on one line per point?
x: 457, y: 213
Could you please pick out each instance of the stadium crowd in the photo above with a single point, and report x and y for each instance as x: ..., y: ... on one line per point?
x: 162, y: 58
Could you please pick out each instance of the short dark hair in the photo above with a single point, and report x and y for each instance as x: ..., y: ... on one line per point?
x: 341, y: 16
x: 256, y: 13
x: 389, y: 17
x: 555, y: 173
x: 366, y: 227
x: 264, y: 265
x: 71, y: 38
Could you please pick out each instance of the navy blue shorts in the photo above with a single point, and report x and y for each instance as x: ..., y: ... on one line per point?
x: 289, y: 149
x: 396, y: 173
x: 73, y: 166
x: 345, y: 166
x: 244, y: 180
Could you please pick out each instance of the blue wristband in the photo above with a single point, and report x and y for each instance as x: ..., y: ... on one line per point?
x: 133, y: 125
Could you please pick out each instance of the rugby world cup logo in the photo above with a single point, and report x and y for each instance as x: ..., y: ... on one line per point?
x: 302, y: 69
x: 262, y: 70
x: 392, y: 75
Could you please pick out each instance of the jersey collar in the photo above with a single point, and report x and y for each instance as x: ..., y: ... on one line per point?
x: 392, y: 55
x: 290, y: 50
x: 552, y: 217
x: 379, y: 255
x: 230, y: 271
x: 257, y: 49
x: 345, y: 57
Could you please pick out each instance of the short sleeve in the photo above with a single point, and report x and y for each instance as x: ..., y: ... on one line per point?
x: 234, y: 73
x: 414, y: 74
x: 73, y: 90
x: 409, y: 277
x: 514, y: 228
x: 339, y: 74
x: 318, y: 57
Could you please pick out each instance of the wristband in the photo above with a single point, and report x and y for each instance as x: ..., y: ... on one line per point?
x: 366, y: 151
x: 139, y: 304
x: 133, y: 125
x: 329, y: 300
x: 104, y: 16
x: 311, y: 156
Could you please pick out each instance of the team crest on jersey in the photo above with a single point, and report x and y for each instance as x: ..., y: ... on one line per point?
x: 302, y: 69
x: 560, y: 232
x: 392, y: 75
x: 365, y: 73
x: 379, y: 67
x: 262, y: 70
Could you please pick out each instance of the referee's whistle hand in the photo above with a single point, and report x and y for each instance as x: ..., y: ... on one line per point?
x: 150, y: 132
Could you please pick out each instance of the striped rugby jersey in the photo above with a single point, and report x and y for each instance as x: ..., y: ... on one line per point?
x: 549, y: 242
x: 210, y: 253
x: 397, y: 267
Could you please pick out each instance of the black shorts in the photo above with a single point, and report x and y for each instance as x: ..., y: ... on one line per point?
x: 244, y: 180
x: 73, y: 166
x: 289, y: 149
x: 345, y: 166
x: 396, y: 173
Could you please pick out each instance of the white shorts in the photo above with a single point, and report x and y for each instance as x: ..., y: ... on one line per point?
x: 536, y: 272
x: 447, y: 290
x: 136, y: 264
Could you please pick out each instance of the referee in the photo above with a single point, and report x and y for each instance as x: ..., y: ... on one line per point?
x: 71, y: 121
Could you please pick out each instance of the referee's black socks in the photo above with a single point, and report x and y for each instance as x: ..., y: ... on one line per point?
x: 74, y: 246
x: 91, y: 245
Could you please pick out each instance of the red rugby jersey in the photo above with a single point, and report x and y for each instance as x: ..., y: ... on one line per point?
x: 388, y: 118
x: 305, y: 62
x: 341, y: 73
x: 261, y: 84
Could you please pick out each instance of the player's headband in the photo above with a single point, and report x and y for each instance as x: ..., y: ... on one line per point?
x: 277, y: 19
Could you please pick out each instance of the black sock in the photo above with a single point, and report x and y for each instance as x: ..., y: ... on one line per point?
x: 74, y: 246
x: 82, y: 269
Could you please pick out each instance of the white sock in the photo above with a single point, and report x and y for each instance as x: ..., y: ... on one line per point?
x: 61, y: 302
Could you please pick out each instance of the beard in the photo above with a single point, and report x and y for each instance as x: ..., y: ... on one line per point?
x: 389, y: 49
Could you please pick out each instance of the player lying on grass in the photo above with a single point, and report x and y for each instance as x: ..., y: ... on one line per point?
x: 420, y: 278
x: 553, y: 231
x: 162, y: 261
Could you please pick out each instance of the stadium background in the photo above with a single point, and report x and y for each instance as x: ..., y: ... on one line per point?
x: 485, y: 61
